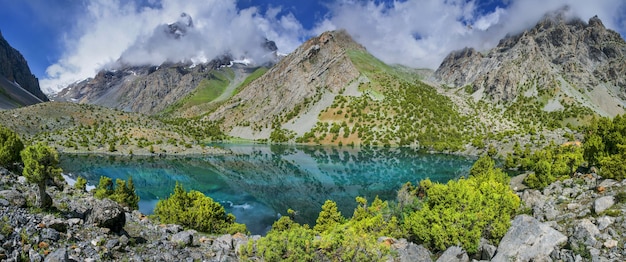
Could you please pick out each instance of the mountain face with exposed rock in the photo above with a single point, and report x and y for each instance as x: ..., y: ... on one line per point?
x: 144, y: 89
x: 18, y: 86
x: 307, y: 80
x: 563, y: 57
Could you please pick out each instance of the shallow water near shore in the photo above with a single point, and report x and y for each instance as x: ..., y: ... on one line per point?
x: 258, y: 183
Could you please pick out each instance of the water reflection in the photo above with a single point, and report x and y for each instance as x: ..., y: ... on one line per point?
x: 259, y: 182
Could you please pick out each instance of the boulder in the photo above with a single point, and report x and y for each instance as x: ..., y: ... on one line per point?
x: 487, y: 251
x: 108, y: 214
x: 183, y: 239
x: 528, y: 239
x: 59, y: 255
x: 50, y: 234
x: 454, y: 254
x: 604, y: 222
x: 585, y: 232
x: 603, y: 203
x: 409, y: 251
x: 14, y: 197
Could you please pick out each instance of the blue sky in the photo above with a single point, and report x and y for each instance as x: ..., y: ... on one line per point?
x: 69, y: 40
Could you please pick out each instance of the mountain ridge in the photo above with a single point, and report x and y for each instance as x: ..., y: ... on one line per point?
x: 574, y: 61
x: 19, y: 87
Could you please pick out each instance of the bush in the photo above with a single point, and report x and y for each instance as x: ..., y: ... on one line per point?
x: 10, y: 147
x: 40, y: 165
x: 461, y: 212
x: 195, y: 210
x: 123, y: 193
x: 81, y: 184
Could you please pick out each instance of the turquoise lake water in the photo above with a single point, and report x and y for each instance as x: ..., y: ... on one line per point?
x: 258, y: 183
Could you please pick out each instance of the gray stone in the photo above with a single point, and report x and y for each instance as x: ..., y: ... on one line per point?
x: 183, y: 239
x: 585, y: 232
x: 171, y: 228
x: 410, y: 252
x: 487, y: 251
x: 454, y: 253
x: 603, y: 203
x: 59, y: 255
x: 107, y: 214
x: 34, y: 256
x: 607, y: 183
x: 50, y: 234
x: 528, y: 239
x: 604, y: 222
x: 56, y: 223
x: 532, y: 197
x: 4, y: 202
x: 111, y: 244
x: 14, y: 197
x: 224, y: 242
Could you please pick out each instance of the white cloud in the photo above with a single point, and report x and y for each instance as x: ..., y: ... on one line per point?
x: 420, y: 33
x: 111, y: 29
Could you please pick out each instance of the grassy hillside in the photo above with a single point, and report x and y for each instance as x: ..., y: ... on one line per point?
x: 86, y: 128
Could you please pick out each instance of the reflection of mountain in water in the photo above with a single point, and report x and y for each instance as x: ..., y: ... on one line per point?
x: 257, y: 182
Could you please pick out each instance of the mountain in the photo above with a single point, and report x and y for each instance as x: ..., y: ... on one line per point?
x: 561, y: 62
x: 177, y: 87
x: 306, y: 81
x: 18, y: 86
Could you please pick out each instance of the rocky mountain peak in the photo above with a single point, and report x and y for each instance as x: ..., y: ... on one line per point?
x: 306, y: 79
x: 15, y: 75
x: 180, y: 27
x: 561, y: 53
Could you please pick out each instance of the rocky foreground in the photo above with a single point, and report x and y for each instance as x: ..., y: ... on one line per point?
x: 578, y: 219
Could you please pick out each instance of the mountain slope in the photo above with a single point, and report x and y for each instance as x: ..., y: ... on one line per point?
x: 561, y: 63
x: 18, y: 86
x: 143, y: 89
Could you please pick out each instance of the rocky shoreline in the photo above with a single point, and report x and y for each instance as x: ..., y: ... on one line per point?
x: 578, y: 219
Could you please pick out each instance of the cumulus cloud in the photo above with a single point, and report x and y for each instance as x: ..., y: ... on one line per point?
x: 420, y: 33
x: 114, y: 31
x: 417, y: 33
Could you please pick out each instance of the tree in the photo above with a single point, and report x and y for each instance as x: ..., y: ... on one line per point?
x: 10, y: 147
x: 328, y: 217
x: 40, y: 165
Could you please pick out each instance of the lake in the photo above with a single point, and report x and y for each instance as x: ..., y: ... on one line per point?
x: 258, y: 183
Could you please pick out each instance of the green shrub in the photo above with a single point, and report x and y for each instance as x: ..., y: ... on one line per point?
x: 461, y: 212
x: 123, y: 193
x: 40, y: 165
x: 10, y: 147
x: 195, y: 210
x: 81, y: 184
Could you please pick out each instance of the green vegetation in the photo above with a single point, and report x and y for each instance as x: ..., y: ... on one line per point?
x: 40, y: 165
x: 436, y: 215
x: 123, y: 192
x: 548, y: 164
x: 10, y: 147
x: 81, y: 184
x: 605, y: 146
x: 195, y: 210
x: 461, y: 212
x: 256, y: 74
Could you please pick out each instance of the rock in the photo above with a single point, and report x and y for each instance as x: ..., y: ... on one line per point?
x: 171, y: 228
x: 487, y: 251
x: 4, y: 202
x: 34, y: 256
x: 528, y: 239
x: 224, y: 242
x: 604, y: 222
x: 409, y: 251
x: 50, y: 234
x: 454, y: 253
x: 108, y: 214
x: 111, y: 244
x: 56, y: 223
x: 59, y: 255
x: 611, y: 243
x: 14, y: 197
x: 603, y: 203
x: 607, y: 183
x: 585, y: 232
x: 532, y: 197
x: 183, y: 239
